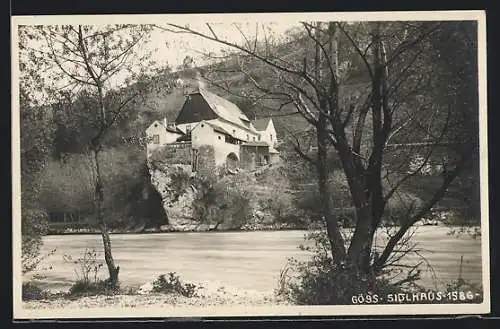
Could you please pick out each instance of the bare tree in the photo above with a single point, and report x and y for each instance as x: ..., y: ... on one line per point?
x: 106, y: 63
x: 361, y: 87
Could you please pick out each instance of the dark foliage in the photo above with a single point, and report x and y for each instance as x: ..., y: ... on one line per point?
x: 174, y: 285
x: 30, y: 291
x: 145, y: 202
x: 221, y: 202
x: 33, y: 226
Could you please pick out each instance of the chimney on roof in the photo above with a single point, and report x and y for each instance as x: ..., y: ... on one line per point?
x: 165, y: 122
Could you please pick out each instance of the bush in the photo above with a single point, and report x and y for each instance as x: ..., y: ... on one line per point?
x: 341, y: 202
x: 180, y: 181
x: 87, y: 272
x: 34, y: 224
x: 220, y: 202
x: 283, y: 208
x: 320, y: 282
x: 307, y: 203
x: 30, y: 291
x: 173, y: 285
x: 87, y: 288
x: 474, y: 293
x: 400, y: 206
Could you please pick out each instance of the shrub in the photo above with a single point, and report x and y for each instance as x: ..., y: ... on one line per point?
x: 180, y: 180
x: 30, y: 291
x: 221, y: 201
x: 400, y: 206
x: 341, y: 202
x: 283, y: 208
x: 173, y: 285
x: 472, y: 293
x: 307, y: 203
x: 320, y: 282
x: 34, y: 224
x: 86, y: 288
x: 88, y: 281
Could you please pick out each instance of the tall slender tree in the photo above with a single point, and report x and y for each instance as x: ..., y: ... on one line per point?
x: 108, y: 64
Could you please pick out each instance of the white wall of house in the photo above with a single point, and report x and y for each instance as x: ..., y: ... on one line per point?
x: 269, y: 135
x: 223, y: 149
x: 158, y: 136
x: 204, y: 134
x: 237, y: 131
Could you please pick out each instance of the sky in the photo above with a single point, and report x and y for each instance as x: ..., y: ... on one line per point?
x: 170, y: 49
x: 174, y: 47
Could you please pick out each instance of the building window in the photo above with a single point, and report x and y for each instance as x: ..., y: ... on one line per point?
x: 219, y: 137
x: 248, y: 137
x: 259, y: 137
x: 202, y: 125
x: 234, y: 131
x: 156, y: 139
x: 271, y: 137
x: 188, y: 129
x: 254, y: 138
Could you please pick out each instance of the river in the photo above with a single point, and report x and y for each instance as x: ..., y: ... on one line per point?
x: 246, y: 260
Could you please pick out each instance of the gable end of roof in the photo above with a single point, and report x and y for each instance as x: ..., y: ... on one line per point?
x: 261, y: 124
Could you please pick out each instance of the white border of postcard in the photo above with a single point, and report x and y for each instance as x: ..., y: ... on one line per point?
x: 224, y: 311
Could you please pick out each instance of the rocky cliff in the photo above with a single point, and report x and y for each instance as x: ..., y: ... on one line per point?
x: 179, y: 188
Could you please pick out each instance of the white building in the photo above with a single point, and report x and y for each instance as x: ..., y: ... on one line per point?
x: 208, y: 119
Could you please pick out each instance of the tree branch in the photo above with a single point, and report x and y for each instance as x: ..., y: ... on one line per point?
x: 378, y: 264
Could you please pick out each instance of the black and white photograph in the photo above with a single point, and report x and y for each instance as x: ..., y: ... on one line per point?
x: 280, y: 164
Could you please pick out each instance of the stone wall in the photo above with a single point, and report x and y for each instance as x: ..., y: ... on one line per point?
x: 175, y: 153
x: 204, y: 158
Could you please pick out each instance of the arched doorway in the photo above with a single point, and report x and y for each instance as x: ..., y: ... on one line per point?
x: 232, y: 161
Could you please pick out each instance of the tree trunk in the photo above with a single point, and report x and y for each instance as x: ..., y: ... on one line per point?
x: 367, y: 192
x: 359, y: 253
x: 336, y: 239
x: 99, y: 198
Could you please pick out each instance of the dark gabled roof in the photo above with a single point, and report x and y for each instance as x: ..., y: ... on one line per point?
x: 255, y: 144
x: 225, y: 109
x: 261, y: 124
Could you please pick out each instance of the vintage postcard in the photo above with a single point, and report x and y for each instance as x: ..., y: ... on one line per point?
x: 277, y: 164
